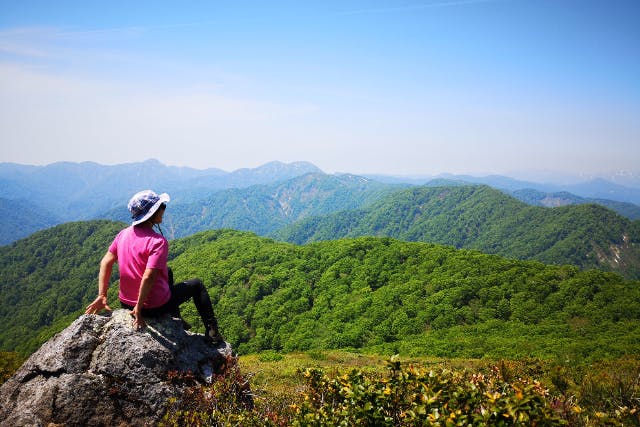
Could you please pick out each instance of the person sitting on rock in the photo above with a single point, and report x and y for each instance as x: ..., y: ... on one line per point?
x: 141, y: 254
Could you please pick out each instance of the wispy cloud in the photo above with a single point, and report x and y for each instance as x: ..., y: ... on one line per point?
x: 12, y: 48
x: 25, y: 42
x: 62, y: 43
x: 91, y: 52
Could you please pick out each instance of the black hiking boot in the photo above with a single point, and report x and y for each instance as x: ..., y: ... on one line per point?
x: 212, y: 336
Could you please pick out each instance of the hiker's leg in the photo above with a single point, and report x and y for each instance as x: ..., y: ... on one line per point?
x: 173, y: 307
x: 194, y: 289
x: 170, y: 274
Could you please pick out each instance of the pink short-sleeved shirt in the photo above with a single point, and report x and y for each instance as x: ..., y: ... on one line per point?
x: 139, y: 248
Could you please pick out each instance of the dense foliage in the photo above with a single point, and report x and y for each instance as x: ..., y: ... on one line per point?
x: 47, y: 279
x: 478, y: 217
x: 417, y: 397
x: 376, y: 293
x: 410, y: 298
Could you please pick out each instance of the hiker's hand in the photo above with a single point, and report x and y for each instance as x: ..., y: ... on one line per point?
x: 138, y: 320
x: 97, y: 305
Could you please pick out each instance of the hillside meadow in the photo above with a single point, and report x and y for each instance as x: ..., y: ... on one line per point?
x: 341, y: 388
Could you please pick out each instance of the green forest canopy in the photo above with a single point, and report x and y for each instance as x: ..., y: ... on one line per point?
x: 414, y: 298
x: 373, y: 294
x: 47, y: 278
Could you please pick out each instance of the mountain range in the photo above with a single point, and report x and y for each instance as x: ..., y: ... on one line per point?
x: 564, y: 198
x: 594, y: 188
x: 65, y: 191
x: 76, y: 191
x: 264, y: 209
x: 317, y: 206
x: 260, y: 199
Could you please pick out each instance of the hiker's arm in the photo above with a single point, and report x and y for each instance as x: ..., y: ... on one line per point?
x: 106, y: 267
x: 148, y: 280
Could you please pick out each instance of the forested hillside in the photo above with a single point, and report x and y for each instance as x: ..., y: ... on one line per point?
x: 47, y: 277
x: 412, y: 298
x: 595, y: 188
x: 370, y: 293
x: 264, y: 209
x: 479, y: 217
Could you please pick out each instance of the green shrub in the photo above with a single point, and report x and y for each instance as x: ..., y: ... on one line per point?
x: 415, y: 397
x: 270, y: 356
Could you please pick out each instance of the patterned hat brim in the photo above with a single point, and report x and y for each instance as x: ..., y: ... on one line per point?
x: 163, y: 198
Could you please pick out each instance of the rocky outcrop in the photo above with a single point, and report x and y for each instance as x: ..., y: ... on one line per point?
x: 101, y: 372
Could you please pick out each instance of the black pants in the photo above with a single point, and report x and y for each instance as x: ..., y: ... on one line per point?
x: 180, y: 293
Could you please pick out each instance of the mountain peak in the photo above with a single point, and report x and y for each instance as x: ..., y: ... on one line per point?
x: 296, y: 168
x: 275, y: 171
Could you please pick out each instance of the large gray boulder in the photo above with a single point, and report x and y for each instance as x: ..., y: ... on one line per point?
x: 101, y: 372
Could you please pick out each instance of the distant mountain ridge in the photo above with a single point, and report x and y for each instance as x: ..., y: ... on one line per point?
x: 482, y: 218
x: 63, y: 186
x: 595, y: 188
x: 20, y: 218
x: 263, y: 209
x: 564, y: 198
x: 68, y: 191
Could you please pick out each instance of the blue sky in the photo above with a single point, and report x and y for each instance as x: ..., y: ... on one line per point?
x: 415, y: 87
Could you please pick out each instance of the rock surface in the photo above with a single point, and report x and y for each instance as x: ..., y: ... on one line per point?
x: 100, y: 371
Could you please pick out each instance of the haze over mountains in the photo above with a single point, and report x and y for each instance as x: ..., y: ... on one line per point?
x: 262, y: 200
x: 75, y: 191
x: 65, y: 191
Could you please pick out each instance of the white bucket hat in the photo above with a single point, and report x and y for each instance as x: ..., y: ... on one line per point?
x: 144, y: 204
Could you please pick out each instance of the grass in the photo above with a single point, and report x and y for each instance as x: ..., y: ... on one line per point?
x: 275, y: 377
x: 278, y: 373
